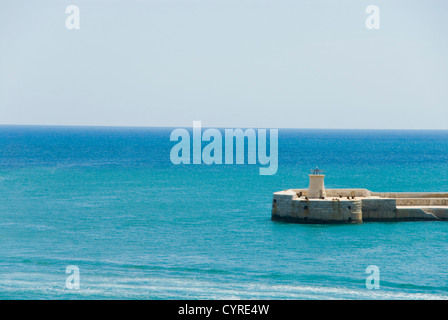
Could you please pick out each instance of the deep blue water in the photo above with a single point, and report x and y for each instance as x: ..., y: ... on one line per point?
x: 109, y: 201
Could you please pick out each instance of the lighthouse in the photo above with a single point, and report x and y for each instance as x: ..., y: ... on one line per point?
x: 316, y: 190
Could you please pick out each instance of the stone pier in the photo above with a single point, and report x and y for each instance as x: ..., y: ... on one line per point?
x: 319, y: 205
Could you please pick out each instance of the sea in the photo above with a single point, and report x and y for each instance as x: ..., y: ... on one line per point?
x: 109, y: 203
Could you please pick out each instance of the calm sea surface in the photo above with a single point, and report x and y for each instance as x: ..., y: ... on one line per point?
x: 109, y: 201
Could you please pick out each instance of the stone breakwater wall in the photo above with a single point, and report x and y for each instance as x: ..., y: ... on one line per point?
x: 289, y: 207
x: 414, y: 195
x: 387, y: 210
x: 339, y: 192
x: 358, y: 205
x: 379, y: 209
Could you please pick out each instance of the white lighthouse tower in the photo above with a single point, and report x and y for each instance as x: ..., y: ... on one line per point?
x: 316, y: 190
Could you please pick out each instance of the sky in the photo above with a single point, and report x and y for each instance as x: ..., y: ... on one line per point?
x: 227, y: 63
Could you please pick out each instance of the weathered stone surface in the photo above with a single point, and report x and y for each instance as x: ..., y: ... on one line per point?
x: 377, y: 209
x: 413, y: 213
x: 316, y: 210
x: 320, y: 205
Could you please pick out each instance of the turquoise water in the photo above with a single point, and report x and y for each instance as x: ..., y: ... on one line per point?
x: 109, y: 201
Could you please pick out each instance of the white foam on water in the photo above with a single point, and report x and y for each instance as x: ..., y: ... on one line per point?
x: 154, y: 286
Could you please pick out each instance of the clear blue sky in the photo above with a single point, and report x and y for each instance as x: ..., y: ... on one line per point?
x: 228, y: 63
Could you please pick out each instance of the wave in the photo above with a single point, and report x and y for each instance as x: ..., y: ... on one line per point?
x: 114, y: 280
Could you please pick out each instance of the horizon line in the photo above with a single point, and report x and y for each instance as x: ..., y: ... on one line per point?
x: 217, y: 127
